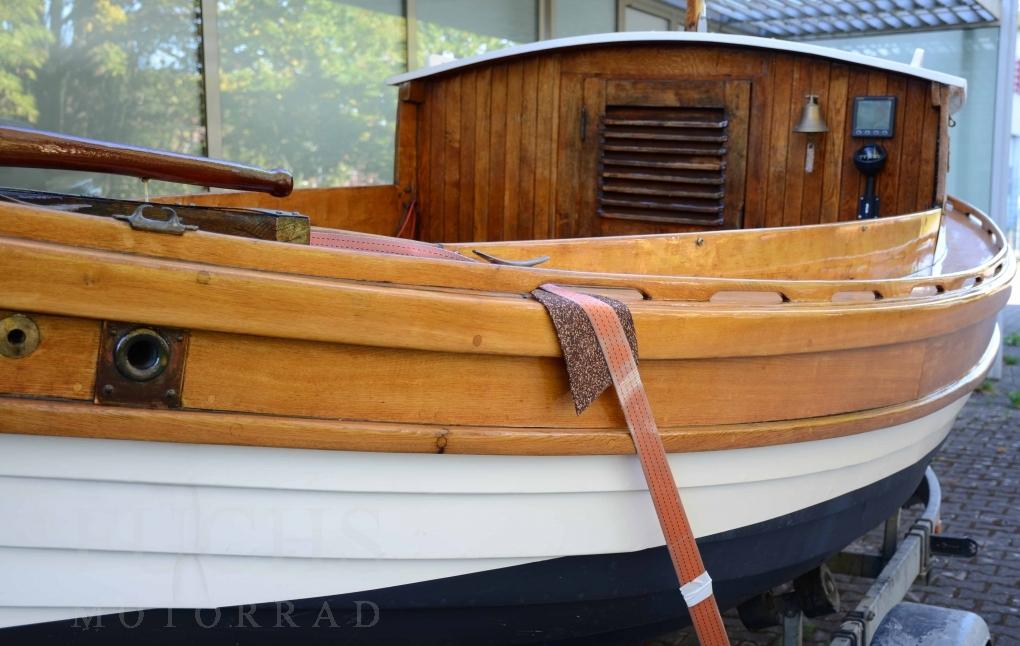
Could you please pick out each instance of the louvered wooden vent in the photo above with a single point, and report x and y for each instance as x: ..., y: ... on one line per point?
x: 663, y: 164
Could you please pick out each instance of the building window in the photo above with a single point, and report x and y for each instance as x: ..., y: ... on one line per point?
x: 452, y: 29
x: 647, y: 15
x: 580, y: 17
x: 116, y: 70
x: 302, y: 86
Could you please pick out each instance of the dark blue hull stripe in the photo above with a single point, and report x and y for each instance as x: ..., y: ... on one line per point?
x: 603, y: 598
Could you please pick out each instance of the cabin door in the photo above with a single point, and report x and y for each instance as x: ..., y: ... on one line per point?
x: 647, y: 156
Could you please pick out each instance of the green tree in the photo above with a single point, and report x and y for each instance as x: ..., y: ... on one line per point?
x: 24, y: 43
x: 302, y: 86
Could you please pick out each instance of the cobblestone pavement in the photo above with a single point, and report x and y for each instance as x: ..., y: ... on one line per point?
x: 979, y: 468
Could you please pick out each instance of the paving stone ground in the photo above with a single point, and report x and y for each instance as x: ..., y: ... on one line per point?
x: 979, y: 468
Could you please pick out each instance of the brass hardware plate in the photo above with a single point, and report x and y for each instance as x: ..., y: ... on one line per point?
x: 19, y: 336
x: 141, y: 365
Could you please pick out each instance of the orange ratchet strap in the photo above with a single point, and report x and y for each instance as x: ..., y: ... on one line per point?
x: 381, y: 244
x: 696, y: 585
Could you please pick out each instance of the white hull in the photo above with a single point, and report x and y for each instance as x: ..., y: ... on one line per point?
x: 102, y: 525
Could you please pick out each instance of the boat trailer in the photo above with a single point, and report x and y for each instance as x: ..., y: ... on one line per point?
x: 882, y: 617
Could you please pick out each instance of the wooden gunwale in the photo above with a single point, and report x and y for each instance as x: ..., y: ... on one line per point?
x: 33, y: 223
x: 894, y: 237
x: 55, y: 279
x: 75, y: 419
x: 739, y: 253
x: 59, y: 279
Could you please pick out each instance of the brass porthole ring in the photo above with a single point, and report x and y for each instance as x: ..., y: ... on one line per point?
x: 19, y: 336
x: 141, y: 354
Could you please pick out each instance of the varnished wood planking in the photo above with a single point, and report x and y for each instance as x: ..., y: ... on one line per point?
x: 928, y: 154
x: 451, y: 157
x: 924, y: 152
x: 483, y: 108
x: 917, y: 103
x: 737, y: 95
x: 837, y: 118
x: 527, y: 161
x: 63, y: 365
x: 942, y: 162
x: 568, y: 159
x: 433, y: 209
x: 851, y: 182
x: 781, y: 73
x: 947, y: 357
x: 878, y: 83
x: 848, y: 253
x: 796, y: 149
x: 890, y: 181
x: 371, y: 209
x: 423, y: 169
x: 545, y: 147
x: 663, y: 62
x: 497, y: 158
x: 594, y: 99
x: 758, y: 146
x: 74, y: 419
x: 512, y: 149
x: 407, y: 386
x: 528, y: 110
x: 811, y: 187
x: 466, y: 191
x: 406, y: 140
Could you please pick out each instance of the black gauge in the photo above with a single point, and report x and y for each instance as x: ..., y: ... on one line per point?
x: 874, y: 116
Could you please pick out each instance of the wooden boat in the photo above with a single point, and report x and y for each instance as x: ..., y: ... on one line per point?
x: 345, y: 444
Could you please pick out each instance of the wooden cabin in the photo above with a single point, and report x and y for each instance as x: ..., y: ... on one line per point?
x: 645, y: 133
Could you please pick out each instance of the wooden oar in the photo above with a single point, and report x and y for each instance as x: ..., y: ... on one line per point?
x: 26, y: 148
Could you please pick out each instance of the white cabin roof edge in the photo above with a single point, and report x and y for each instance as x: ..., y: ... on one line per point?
x: 683, y: 37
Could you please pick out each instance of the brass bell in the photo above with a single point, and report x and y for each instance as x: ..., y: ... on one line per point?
x: 811, y: 119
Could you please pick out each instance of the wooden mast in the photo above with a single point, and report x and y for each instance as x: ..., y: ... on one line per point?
x: 695, y: 19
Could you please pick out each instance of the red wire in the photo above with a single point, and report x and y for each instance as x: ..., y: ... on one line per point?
x: 409, y: 218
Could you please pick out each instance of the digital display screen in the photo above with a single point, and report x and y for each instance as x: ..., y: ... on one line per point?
x: 874, y: 116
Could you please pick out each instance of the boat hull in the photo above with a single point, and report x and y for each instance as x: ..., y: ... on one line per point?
x: 446, y: 548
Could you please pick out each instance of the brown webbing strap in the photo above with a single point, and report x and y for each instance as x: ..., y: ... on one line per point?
x: 381, y: 244
x: 683, y: 550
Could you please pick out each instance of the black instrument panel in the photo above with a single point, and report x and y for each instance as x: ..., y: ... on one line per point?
x: 874, y: 117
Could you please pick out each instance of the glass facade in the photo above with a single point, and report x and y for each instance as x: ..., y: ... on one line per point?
x: 581, y: 17
x: 301, y: 86
x: 451, y: 29
x: 638, y: 20
x: 121, y: 70
x: 300, y: 83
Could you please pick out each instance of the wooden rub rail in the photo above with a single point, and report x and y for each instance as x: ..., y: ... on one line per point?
x: 81, y: 419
